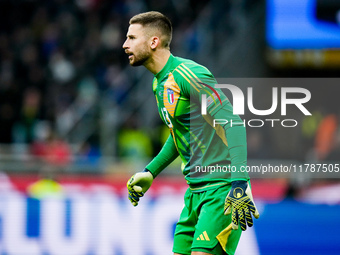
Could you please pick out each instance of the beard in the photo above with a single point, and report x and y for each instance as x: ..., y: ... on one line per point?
x: 140, y: 58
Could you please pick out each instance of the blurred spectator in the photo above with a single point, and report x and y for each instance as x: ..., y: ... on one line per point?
x: 29, y: 116
x: 325, y: 136
x: 118, y: 84
x: 46, y: 186
x: 55, y: 153
x: 88, y: 154
x: 310, y: 124
x: 334, y: 154
x: 133, y: 143
x: 110, y: 36
x: 62, y: 69
x: 49, y: 40
x: 87, y: 91
x: 309, y: 128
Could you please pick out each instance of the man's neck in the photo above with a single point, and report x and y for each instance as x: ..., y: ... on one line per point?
x: 158, y: 61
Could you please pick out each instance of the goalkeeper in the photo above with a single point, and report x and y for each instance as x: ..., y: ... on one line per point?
x: 220, y: 197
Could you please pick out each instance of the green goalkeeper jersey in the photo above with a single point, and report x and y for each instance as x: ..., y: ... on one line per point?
x: 212, y: 155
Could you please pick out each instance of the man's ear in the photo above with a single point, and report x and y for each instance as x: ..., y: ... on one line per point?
x: 154, y: 42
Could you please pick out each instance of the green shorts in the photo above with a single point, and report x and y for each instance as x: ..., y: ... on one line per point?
x: 203, y: 226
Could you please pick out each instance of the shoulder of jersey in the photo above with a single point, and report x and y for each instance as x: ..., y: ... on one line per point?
x: 188, y: 69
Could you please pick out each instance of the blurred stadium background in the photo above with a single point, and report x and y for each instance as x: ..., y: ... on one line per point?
x: 76, y: 121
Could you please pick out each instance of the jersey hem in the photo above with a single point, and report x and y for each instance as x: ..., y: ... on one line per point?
x: 209, y: 186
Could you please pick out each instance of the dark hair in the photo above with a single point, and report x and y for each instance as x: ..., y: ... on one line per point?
x: 156, y: 20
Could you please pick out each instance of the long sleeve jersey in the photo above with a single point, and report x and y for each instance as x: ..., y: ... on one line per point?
x: 212, y: 154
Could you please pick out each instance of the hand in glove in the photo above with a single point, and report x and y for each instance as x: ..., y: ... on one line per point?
x: 240, y: 202
x: 138, y: 184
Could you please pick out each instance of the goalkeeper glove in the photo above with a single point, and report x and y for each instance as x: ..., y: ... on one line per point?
x: 240, y: 202
x: 138, y: 184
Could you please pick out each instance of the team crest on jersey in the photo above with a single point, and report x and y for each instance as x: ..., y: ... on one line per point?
x: 171, y: 96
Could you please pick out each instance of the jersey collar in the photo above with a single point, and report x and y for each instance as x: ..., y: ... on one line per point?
x: 165, y: 69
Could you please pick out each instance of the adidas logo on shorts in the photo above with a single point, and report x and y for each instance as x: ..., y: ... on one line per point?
x: 203, y: 237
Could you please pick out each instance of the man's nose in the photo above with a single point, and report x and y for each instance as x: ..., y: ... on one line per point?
x: 125, y: 45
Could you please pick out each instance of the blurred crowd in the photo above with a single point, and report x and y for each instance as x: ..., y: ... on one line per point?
x: 58, y: 52
x: 52, y: 52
